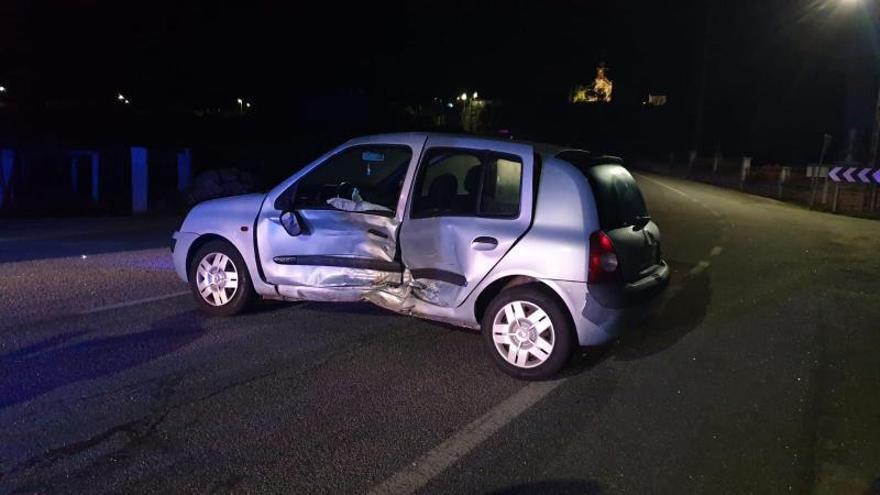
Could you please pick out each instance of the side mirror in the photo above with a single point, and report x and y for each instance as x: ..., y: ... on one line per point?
x: 291, y: 223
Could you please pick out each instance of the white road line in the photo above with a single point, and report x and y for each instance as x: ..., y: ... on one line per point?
x: 427, y: 467
x: 133, y: 302
x: 655, y: 181
x: 702, y: 265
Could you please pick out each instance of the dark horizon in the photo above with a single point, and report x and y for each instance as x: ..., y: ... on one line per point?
x: 778, y: 75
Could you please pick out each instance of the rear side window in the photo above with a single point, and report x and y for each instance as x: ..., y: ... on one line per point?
x: 458, y: 182
x: 618, y: 197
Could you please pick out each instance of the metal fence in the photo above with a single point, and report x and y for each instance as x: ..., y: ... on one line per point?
x: 839, y: 187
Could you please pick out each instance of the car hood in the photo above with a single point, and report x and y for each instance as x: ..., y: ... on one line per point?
x: 217, y: 214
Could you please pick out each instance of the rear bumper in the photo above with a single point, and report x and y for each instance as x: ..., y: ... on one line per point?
x: 597, y: 323
x: 627, y: 295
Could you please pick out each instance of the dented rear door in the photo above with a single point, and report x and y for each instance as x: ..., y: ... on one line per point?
x: 470, y: 202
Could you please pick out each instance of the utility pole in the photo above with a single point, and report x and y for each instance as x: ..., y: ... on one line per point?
x: 872, y: 154
x: 875, y: 134
x: 826, y: 141
x: 701, y: 88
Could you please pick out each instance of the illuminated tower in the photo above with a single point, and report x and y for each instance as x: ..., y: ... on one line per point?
x: 599, y: 92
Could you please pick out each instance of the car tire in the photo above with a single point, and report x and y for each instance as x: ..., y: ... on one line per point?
x: 527, y: 333
x: 219, y: 279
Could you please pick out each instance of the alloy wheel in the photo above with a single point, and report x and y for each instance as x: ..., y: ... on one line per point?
x: 523, y: 334
x: 217, y: 279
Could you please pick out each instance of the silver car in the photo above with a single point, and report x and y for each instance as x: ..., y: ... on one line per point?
x: 541, y: 248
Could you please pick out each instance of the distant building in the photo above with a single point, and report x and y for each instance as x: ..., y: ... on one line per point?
x: 598, y: 92
x: 656, y: 100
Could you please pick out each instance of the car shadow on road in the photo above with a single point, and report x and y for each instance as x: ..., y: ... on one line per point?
x: 683, y: 310
x: 683, y: 307
x: 51, y: 364
x: 556, y: 487
x: 270, y: 306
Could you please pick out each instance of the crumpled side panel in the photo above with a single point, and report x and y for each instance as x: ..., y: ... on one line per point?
x: 402, y: 295
x: 333, y: 276
x: 336, y: 294
x: 408, y: 291
x: 395, y: 298
x: 408, y: 294
x: 347, y: 233
x: 336, y: 234
x: 435, y: 292
x: 327, y: 283
x: 405, y: 299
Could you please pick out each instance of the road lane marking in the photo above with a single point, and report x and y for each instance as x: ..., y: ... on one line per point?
x: 431, y: 464
x: 134, y: 302
x: 655, y: 181
x: 717, y: 250
x: 702, y: 265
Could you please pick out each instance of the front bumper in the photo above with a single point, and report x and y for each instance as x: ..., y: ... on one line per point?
x: 181, y: 242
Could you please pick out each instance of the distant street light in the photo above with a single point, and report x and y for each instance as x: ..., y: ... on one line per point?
x: 120, y: 97
x: 463, y: 96
x: 475, y: 95
x: 2, y: 89
x: 126, y: 101
x: 248, y: 104
x: 240, y: 105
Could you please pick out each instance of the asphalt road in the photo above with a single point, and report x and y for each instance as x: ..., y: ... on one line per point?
x: 759, y: 374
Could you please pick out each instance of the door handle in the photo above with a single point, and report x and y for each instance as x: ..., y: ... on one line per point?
x: 484, y: 243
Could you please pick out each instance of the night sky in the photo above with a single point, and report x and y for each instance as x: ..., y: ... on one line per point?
x: 771, y: 66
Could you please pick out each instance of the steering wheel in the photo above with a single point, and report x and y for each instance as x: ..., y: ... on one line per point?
x: 342, y: 186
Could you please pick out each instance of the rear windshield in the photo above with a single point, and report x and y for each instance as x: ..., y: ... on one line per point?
x: 618, y: 197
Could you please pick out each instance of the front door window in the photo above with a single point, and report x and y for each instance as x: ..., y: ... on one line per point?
x: 365, y: 179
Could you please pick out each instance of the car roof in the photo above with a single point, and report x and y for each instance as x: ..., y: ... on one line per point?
x: 546, y: 150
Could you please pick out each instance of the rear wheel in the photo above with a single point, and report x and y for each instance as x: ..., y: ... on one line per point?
x: 527, y: 333
x: 219, y: 279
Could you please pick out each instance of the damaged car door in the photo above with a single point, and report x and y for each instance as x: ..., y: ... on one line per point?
x: 468, y: 207
x: 330, y: 232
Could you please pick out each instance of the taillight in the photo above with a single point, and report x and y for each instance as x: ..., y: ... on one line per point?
x: 603, y: 259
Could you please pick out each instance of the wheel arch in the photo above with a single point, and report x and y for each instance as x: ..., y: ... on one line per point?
x: 496, y: 287
x: 201, y: 241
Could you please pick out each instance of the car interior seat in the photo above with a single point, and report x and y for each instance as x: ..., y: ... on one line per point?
x: 442, y: 192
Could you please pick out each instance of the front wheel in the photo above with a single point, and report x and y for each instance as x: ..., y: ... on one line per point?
x: 527, y: 333
x: 219, y: 279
